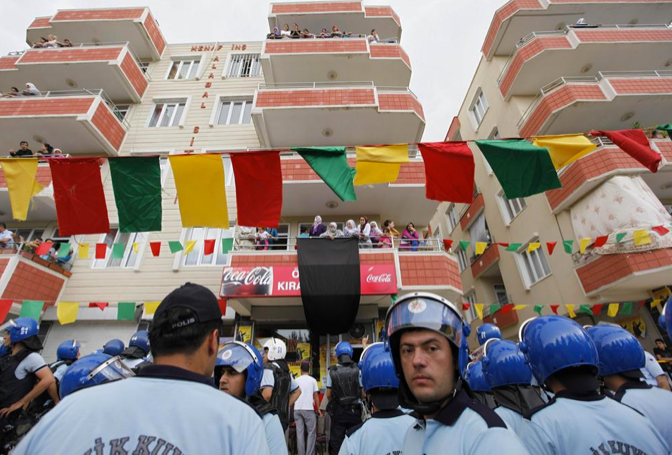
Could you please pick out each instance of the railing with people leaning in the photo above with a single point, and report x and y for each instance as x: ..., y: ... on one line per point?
x: 248, y: 243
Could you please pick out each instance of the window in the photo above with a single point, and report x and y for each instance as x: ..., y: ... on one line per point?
x: 29, y: 234
x: 121, y: 111
x: 144, y: 66
x: 533, y: 265
x: 510, y: 208
x: 478, y: 108
x: 493, y: 135
x: 183, y: 69
x: 131, y: 258
x: 451, y: 217
x: 167, y: 114
x: 234, y: 112
x: 197, y: 257
x: 471, y: 299
x: 500, y: 294
x: 461, y: 259
x: 244, y: 65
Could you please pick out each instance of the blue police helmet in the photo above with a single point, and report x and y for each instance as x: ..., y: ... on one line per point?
x: 114, y: 347
x: 140, y: 339
x: 553, y: 343
x: 487, y: 332
x: 661, y: 323
x: 476, y: 378
x: 91, y: 370
x: 378, y: 368
x: 241, y: 357
x: 668, y: 314
x: 344, y: 348
x: 618, y: 350
x: 21, y: 328
x: 68, y: 350
x: 504, y: 364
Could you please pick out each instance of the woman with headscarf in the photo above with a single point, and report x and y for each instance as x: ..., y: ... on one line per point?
x: 364, y: 232
x: 333, y: 232
x: 275, y: 34
x: 389, y: 234
x: 318, y: 228
x: 351, y: 229
x: 410, y: 237
x: 31, y: 90
x: 375, y: 234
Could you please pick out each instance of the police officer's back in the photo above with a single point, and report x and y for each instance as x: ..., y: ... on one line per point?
x: 344, y: 392
x: 479, y: 385
x: 136, y: 354
x: 278, y: 386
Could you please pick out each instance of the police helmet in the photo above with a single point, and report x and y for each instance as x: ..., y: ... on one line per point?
x: 277, y: 349
x: 92, y: 370
x: 114, y: 347
x: 487, y: 332
x: 68, y: 350
x: 140, y: 339
x: 668, y: 314
x: 476, y: 378
x: 378, y: 368
x: 344, y: 348
x: 661, y: 323
x: 504, y: 364
x: 21, y: 328
x: 552, y: 343
x: 618, y: 351
x: 243, y: 357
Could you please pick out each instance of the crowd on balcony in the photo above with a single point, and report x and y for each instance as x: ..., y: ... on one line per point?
x: 297, y: 33
x: 51, y: 43
x: 10, y: 240
x: 46, y: 151
x: 14, y: 92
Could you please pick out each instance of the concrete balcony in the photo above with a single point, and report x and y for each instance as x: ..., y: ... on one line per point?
x: 135, y: 25
x: 469, y: 216
x: 324, y: 60
x: 484, y: 265
x: 42, y: 206
x: 541, y: 57
x: 326, y: 114
x: 77, y: 122
x: 608, y: 101
x: 111, y: 67
x: 518, y: 18
x: 349, y: 16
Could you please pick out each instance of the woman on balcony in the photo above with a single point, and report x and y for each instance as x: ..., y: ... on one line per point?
x: 285, y: 33
x: 364, y: 233
x: 333, y: 232
x: 296, y: 32
x: 335, y: 32
x: 318, y: 228
x: 375, y: 234
x: 31, y: 90
x: 410, y: 238
x: 351, y: 229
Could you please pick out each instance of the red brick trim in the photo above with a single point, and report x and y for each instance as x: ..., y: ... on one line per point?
x: 382, y: 11
x: 400, y: 102
x: 109, y: 126
x: 154, y: 33
x: 317, y: 7
x: 389, y: 51
x: 453, y: 129
x: 31, y: 283
x: 98, y: 14
x: 93, y: 54
x: 41, y: 22
x: 429, y: 270
x: 8, y: 63
x: 315, y: 46
x: 315, y: 98
x: 44, y: 107
x: 134, y: 74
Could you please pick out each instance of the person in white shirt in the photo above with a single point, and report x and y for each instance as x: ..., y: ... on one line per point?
x: 6, y: 237
x: 653, y: 373
x: 285, y: 33
x: 305, y: 411
x: 373, y: 37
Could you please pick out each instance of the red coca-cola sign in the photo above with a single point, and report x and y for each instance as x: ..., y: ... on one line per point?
x: 283, y: 281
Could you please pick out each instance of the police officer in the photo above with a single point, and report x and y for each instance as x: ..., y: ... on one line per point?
x: 578, y: 419
x: 479, y: 385
x: 114, y: 347
x: 137, y: 350
x: 488, y: 332
x: 344, y: 393
x: 93, y: 369
x: 169, y: 407
x: 384, y: 432
x: 278, y: 386
x: 66, y: 354
x: 509, y: 377
x: 620, y: 359
x: 427, y: 337
x: 239, y: 372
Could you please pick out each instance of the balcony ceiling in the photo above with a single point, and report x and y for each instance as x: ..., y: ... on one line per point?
x: 661, y: 184
x: 41, y: 208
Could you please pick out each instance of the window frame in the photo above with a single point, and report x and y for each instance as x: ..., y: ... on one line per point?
x: 470, y: 298
x: 230, y: 62
x: 479, y: 99
x: 525, y: 265
x: 186, y: 235
x: 502, y: 289
x: 142, y: 245
x: 449, y: 214
x: 506, y: 207
x: 179, y: 60
x: 221, y: 100
x: 166, y: 101
x: 462, y: 260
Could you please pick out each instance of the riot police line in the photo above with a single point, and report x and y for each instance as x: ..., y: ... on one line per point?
x: 561, y: 389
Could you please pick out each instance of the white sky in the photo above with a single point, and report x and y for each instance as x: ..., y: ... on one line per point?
x: 442, y: 37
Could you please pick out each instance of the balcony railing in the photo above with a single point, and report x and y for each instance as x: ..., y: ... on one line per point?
x: 350, y: 36
x: 284, y: 244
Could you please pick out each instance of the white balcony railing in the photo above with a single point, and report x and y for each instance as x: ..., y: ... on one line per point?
x: 284, y: 244
x: 326, y: 85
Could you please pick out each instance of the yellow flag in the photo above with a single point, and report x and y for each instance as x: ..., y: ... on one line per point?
x: 565, y: 149
x: 613, y: 310
x: 480, y: 247
x: 67, y: 312
x: 379, y: 164
x: 583, y: 244
x: 519, y: 307
x: 150, y: 307
x: 570, y: 310
x: 83, y: 251
x: 655, y: 303
x: 21, y: 184
x: 135, y: 247
x: 190, y: 244
x: 641, y: 237
x: 479, y: 309
x: 533, y: 247
x: 199, y: 180
x: 385, y: 154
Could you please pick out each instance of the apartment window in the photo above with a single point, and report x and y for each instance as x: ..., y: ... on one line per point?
x: 167, y: 114
x: 461, y: 259
x: 121, y: 111
x: 451, y: 217
x: 534, y: 266
x: 144, y: 66
x: 197, y: 256
x: 29, y: 234
x: 471, y: 299
x: 501, y: 295
x: 244, y: 65
x: 183, y: 69
x: 234, y: 112
x: 131, y: 258
x: 510, y: 208
x: 494, y: 135
x: 478, y: 108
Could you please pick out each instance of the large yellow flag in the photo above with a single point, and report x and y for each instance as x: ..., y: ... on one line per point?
x: 380, y: 164
x: 565, y: 149
x: 20, y: 175
x: 67, y: 312
x: 199, y: 180
x: 150, y: 307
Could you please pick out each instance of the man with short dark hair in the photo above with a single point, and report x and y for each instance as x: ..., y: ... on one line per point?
x: 664, y: 355
x: 170, y: 407
x: 304, y: 411
x: 23, y: 151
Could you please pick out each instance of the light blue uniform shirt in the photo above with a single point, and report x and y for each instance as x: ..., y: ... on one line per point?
x: 164, y: 410
x: 596, y: 425
x: 267, y: 380
x: 654, y: 403
x: 60, y: 372
x: 382, y: 434
x: 463, y: 427
x: 512, y: 418
x: 275, y: 435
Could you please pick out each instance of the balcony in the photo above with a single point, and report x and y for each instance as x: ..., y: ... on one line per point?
x: 327, y: 114
x: 608, y: 101
x: 484, y: 265
x: 349, y: 16
x: 543, y: 56
x: 42, y: 206
x: 518, y: 18
x: 79, y: 122
x: 471, y: 213
x: 135, y: 25
x: 111, y: 67
x: 324, y: 60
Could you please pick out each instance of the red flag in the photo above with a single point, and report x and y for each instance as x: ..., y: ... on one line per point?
x: 466, y: 306
x: 554, y: 308
x: 258, y: 188
x: 660, y: 230
x: 44, y: 248
x: 79, y: 197
x: 642, y: 303
x: 222, y: 306
x: 636, y: 144
x: 5, y: 306
x: 597, y: 309
x: 101, y: 250
x: 507, y: 308
x: 600, y: 241
x: 156, y: 248
x: 447, y: 244
x: 505, y: 245
x: 551, y: 246
x: 208, y: 247
x: 449, y: 171
x: 101, y: 305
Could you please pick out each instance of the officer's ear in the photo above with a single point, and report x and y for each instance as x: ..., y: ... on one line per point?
x: 213, y: 342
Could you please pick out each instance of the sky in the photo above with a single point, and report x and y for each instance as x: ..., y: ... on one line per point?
x: 442, y: 37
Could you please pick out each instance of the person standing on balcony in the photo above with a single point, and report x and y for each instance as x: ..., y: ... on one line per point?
x: 373, y: 37
x: 333, y: 232
x: 335, y: 32
x: 42, y: 43
x: 6, y: 237
x: 272, y: 236
x: 47, y: 150
x: 31, y: 90
x: 23, y: 151
x: 296, y: 32
x: 375, y: 233
x: 410, y: 238
x: 325, y: 33
x: 351, y: 229
x: 318, y: 228
x: 52, y: 43
x: 285, y: 33
x: 66, y: 43
x: 364, y: 232
x: 13, y: 93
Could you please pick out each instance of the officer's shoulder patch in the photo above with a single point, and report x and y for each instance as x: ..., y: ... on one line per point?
x: 352, y: 430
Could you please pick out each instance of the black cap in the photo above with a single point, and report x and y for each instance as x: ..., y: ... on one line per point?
x: 195, y: 297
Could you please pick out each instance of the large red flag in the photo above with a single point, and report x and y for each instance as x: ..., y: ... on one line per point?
x: 635, y: 144
x: 449, y: 171
x: 79, y: 197
x: 258, y: 188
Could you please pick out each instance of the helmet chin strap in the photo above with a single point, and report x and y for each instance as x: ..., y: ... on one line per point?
x: 408, y: 401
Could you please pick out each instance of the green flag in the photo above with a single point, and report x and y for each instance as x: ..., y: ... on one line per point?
x: 626, y: 308
x: 464, y: 245
x: 64, y: 250
x: 331, y: 164
x: 619, y: 237
x: 513, y: 247
x: 175, y: 247
x: 118, y: 250
x: 126, y: 311
x: 522, y: 169
x: 227, y: 245
x: 31, y: 309
x: 667, y: 128
x: 585, y: 309
x: 137, y: 192
x: 569, y: 246
x: 495, y: 307
x: 538, y: 309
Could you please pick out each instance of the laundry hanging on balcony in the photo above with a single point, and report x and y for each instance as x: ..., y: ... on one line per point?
x: 565, y: 149
x: 331, y: 164
x: 21, y: 184
x: 329, y: 274
x: 258, y: 177
x: 380, y: 164
x: 441, y: 158
x: 137, y: 193
x: 636, y: 144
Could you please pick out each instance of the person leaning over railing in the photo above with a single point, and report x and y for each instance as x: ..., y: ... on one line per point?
x: 332, y: 232
x: 13, y: 93
x: 23, y: 150
x: 6, y: 237
x: 375, y: 234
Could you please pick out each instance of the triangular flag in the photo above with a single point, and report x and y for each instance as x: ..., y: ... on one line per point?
x: 660, y: 230
x: 44, y: 248
x: 31, y: 309
x: 570, y: 311
x: 67, y: 312
x: 494, y: 308
x: 612, y: 311
x: 208, y: 247
x: 83, y: 251
x: 568, y: 245
x: 479, y: 309
x: 190, y: 244
x: 156, y: 248
x: 550, y: 246
x: 135, y: 247
x: 465, y: 306
x: 597, y: 309
x: 585, y: 309
x: 641, y: 303
x: 5, y: 306
x: 331, y: 164
x: 554, y: 308
x: 513, y: 247
x: 227, y: 245
x: 118, y: 250
x: 150, y: 307
x: 175, y: 247
x: 222, y: 306
x: 565, y: 149
x: 533, y: 247
x: 666, y: 127
x: 21, y: 184
x: 583, y: 244
x: 641, y: 237
x: 100, y: 305
x: 619, y: 237
x: 464, y: 245
x: 636, y: 144
x: 101, y: 250
x: 447, y: 244
x: 456, y: 156
x: 519, y: 307
x: 480, y: 247
x: 538, y: 308
x: 137, y: 192
x: 655, y: 303
x: 507, y: 308
x: 626, y: 308
x: 379, y: 164
x: 601, y: 241
x: 258, y: 178
x: 126, y: 311
x: 505, y: 245
x: 393, y: 298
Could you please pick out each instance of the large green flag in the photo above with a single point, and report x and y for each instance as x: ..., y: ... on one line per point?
x: 521, y: 168
x: 137, y: 192
x: 126, y: 311
x: 331, y: 164
x: 31, y: 309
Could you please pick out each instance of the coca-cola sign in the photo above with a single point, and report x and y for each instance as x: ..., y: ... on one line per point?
x: 283, y: 281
